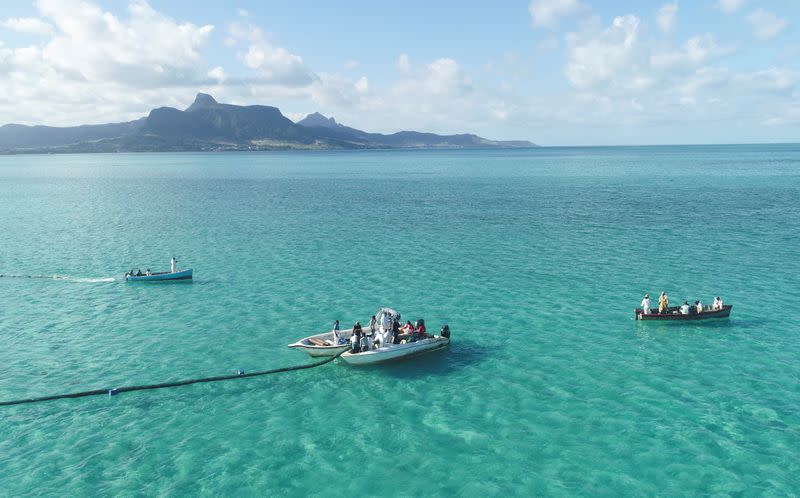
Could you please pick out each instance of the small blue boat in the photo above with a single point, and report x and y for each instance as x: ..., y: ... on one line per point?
x: 165, y: 276
x: 161, y: 277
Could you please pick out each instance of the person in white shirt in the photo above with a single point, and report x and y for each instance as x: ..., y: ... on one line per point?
x: 336, y: 332
x: 385, y: 330
x: 173, y: 264
x: 685, y: 308
x: 717, y: 303
x: 698, y: 306
x: 646, y: 304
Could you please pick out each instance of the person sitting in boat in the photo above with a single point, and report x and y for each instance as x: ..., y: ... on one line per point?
x: 685, y: 308
x: 138, y: 272
x: 717, y: 304
x: 148, y: 272
x: 421, y: 330
x: 646, y: 304
x: 408, y: 332
x: 663, y: 303
x: 698, y: 306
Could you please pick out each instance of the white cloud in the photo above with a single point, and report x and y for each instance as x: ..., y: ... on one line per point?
x: 335, y: 92
x: 403, y: 64
x: 603, y: 57
x: 275, y: 65
x: 362, y: 85
x: 351, y: 64
x: 773, y: 79
x: 765, y: 24
x: 667, y: 17
x: 32, y: 25
x: 218, y: 74
x: 439, y: 78
x: 148, y: 48
x: 729, y: 6
x: 437, y: 96
x: 548, y: 12
x: 697, y: 50
x: 95, y: 66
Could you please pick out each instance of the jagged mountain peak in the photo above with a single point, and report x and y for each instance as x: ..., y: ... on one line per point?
x: 202, y: 100
x: 317, y: 119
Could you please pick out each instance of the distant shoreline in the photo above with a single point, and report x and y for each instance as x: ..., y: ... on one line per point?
x: 41, y: 152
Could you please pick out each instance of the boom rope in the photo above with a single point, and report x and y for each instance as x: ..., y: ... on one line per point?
x: 111, y: 392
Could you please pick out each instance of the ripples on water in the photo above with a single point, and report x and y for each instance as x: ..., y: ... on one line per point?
x: 535, y: 258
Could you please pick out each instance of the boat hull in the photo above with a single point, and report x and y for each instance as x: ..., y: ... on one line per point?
x: 672, y: 314
x: 161, y: 277
x: 314, y: 345
x: 396, y: 352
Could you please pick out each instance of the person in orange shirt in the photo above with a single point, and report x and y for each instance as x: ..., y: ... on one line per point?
x: 663, y: 302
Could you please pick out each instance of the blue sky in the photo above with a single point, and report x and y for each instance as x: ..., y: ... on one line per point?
x: 557, y: 72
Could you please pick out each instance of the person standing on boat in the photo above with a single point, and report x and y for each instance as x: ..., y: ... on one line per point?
x: 663, y: 303
x: 699, y: 306
x: 373, y: 325
x: 646, y: 304
x: 173, y: 264
x: 356, y: 337
x: 386, y: 323
x: 395, y: 333
x: 336, y: 332
x: 717, y: 303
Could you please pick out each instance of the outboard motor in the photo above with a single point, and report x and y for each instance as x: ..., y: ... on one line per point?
x: 445, y: 331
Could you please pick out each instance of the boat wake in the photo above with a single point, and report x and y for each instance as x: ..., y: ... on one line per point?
x: 67, y: 278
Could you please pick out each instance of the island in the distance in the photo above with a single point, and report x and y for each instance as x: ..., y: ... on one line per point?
x: 207, y: 125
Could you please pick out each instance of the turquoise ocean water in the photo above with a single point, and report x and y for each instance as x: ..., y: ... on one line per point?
x: 536, y: 258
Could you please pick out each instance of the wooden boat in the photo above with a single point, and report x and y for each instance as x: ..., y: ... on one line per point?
x: 161, y: 276
x: 673, y: 313
x: 394, y: 352
x: 323, y: 345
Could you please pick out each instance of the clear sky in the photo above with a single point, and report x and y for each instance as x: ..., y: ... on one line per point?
x: 557, y: 72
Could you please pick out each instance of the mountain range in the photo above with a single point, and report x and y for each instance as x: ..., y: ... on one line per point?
x: 208, y: 125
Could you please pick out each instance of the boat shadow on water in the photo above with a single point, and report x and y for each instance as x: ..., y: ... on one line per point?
x: 720, y: 324
x: 459, y: 354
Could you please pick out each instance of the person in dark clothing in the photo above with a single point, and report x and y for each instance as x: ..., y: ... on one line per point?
x: 395, y: 332
x: 355, y: 340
